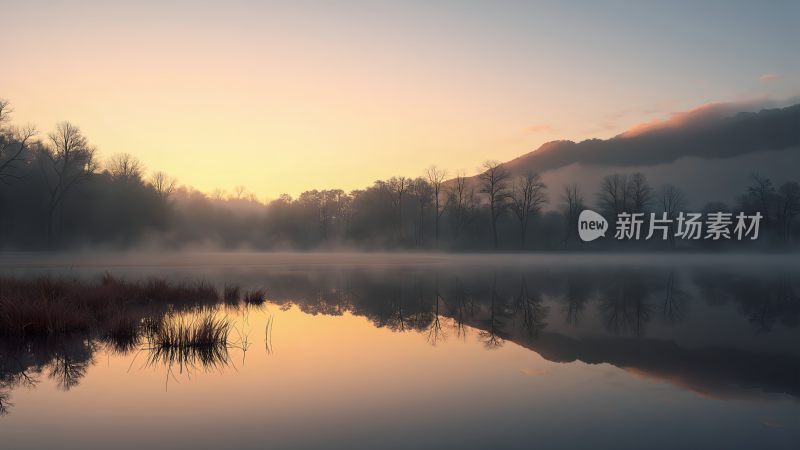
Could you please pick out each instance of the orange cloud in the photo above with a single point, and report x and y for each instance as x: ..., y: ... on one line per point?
x: 699, y: 114
x: 769, y: 77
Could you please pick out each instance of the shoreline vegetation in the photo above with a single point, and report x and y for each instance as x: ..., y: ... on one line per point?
x: 110, y: 306
x: 56, y: 193
x: 57, y: 324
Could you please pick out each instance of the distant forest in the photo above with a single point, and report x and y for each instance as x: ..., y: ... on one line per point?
x: 56, y: 194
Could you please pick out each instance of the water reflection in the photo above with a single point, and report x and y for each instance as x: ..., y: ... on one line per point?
x: 64, y: 360
x: 199, y: 340
x: 195, y: 339
x: 716, y: 332
x: 517, y: 306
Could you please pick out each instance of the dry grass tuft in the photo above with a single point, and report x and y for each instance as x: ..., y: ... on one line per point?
x: 111, y: 306
x: 200, y: 340
x: 255, y: 297
x: 231, y: 294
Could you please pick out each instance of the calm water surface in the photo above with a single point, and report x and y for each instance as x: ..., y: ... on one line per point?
x: 420, y: 351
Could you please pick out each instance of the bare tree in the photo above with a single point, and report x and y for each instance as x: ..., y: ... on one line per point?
x: 424, y: 193
x: 762, y: 191
x: 239, y: 192
x: 673, y: 200
x: 344, y: 210
x: 330, y: 209
x: 317, y: 202
x: 9, y: 158
x: 67, y: 161
x: 125, y: 167
x: 613, y: 197
x: 573, y: 204
x: 67, y: 369
x: 527, y: 197
x: 494, y: 183
x: 163, y: 184
x: 641, y: 194
x: 13, y: 142
x: 338, y: 204
x: 5, y: 110
x: 529, y: 305
x: 436, y: 178
x: 491, y: 334
x: 218, y: 194
x: 789, y: 193
x: 457, y: 198
x: 399, y: 186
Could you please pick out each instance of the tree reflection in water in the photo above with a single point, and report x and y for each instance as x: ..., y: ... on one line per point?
x: 498, y: 306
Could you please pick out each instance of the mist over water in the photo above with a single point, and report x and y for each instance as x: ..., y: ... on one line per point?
x: 449, y: 350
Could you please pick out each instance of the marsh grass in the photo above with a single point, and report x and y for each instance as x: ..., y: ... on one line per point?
x: 55, y: 325
x: 255, y: 297
x: 231, y: 294
x: 123, y: 333
x: 201, y: 330
x: 111, y: 307
x: 191, y: 341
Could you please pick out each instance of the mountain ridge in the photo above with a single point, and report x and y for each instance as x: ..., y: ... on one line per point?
x: 706, y: 132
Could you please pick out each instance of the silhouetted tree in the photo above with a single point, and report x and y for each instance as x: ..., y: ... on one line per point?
x: 573, y: 205
x: 576, y: 295
x: 125, y: 167
x: 641, y: 194
x: 673, y: 201
x: 530, y: 307
x: 492, y: 334
x: 13, y: 142
x: 399, y: 186
x: 239, y: 192
x: 494, y: 183
x: 436, y: 178
x: 423, y: 194
x: 527, y: 197
x: 762, y: 192
x: 462, y: 201
x: 163, y: 184
x: 788, y: 207
x: 218, y: 194
x: 68, y: 161
x: 675, y: 300
x: 613, y: 197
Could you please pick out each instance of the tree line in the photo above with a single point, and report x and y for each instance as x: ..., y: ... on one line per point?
x: 56, y: 193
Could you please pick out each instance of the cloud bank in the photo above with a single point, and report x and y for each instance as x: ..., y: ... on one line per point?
x: 717, y: 130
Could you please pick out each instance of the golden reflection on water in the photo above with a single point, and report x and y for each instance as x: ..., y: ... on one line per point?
x: 331, y: 369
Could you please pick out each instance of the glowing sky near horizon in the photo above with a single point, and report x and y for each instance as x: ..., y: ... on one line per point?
x: 287, y: 96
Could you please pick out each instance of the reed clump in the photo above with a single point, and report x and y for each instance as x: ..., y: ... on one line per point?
x: 189, y: 341
x: 110, y: 306
x: 255, y: 297
x: 231, y: 294
x: 203, y: 330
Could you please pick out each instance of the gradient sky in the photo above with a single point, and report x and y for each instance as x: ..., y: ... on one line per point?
x: 287, y: 96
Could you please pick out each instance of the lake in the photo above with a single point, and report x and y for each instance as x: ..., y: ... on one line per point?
x: 430, y: 351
